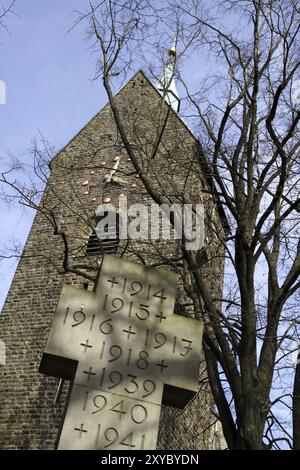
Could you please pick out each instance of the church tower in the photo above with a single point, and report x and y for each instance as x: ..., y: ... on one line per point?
x: 63, y: 247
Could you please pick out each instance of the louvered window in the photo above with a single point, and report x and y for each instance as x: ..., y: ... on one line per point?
x: 107, y: 232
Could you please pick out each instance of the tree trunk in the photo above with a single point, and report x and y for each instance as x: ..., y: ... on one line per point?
x: 296, y: 407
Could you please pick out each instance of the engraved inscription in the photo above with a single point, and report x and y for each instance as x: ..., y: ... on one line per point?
x: 128, y: 344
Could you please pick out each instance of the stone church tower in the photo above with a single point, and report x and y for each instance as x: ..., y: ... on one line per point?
x: 62, y: 248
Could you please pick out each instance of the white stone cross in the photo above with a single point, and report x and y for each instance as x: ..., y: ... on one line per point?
x: 126, y: 353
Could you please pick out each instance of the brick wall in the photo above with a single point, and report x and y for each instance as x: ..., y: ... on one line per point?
x: 29, y: 419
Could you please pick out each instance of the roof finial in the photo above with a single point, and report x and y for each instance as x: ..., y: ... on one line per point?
x: 166, y: 83
x: 172, y: 50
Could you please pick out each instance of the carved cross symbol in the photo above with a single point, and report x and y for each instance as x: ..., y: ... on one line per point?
x: 126, y: 352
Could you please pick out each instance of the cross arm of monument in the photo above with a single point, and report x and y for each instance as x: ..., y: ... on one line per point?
x: 124, y: 339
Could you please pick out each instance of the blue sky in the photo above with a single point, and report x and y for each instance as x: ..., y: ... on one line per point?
x: 48, y: 76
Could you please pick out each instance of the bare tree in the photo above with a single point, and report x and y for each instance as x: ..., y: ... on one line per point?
x: 25, y: 184
x: 296, y: 406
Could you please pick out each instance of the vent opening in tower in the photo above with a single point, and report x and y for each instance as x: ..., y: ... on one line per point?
x: 105, y: 239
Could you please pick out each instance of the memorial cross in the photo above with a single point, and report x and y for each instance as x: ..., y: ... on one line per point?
x: 126, y: 354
